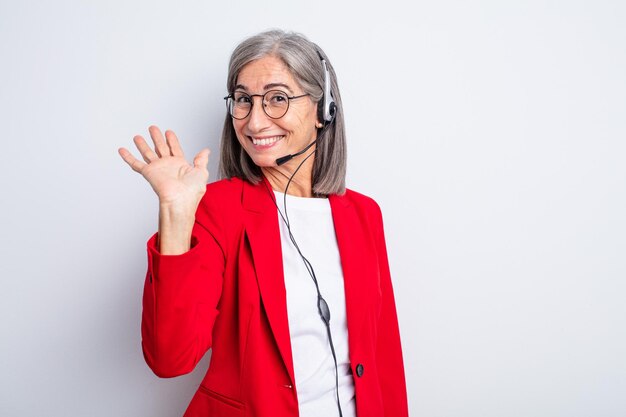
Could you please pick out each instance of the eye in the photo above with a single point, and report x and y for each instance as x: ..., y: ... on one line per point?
x: 277, y: 97
x: 241, y: 98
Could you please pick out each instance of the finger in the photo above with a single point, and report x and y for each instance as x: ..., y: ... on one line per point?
x: 174, y: 144
x: 134, y: 163
x: 202, y: 159
x: 160, y: 146
x: 148, y: 154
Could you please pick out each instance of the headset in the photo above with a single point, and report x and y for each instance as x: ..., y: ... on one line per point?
x: 327, y: 110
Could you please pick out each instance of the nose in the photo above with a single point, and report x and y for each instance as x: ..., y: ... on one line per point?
x: 257, y: 119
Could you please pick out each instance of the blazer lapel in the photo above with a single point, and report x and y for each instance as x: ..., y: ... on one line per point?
x: 264, y: 236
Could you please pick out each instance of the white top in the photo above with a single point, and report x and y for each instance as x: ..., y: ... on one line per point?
x: 312, y: 227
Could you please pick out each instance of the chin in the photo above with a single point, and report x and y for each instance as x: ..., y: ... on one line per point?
x: 265, y: 161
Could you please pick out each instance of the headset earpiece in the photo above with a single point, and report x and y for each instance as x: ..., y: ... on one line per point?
x: 327, y: 107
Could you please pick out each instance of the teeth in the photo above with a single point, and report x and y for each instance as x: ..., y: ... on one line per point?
x: 267, y: 141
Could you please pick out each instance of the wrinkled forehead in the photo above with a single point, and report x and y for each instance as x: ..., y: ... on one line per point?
x: 267, y: 73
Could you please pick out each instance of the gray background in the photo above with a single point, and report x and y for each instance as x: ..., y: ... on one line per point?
x: 492, y: 134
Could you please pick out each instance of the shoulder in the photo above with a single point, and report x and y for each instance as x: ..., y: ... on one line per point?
x: 361, y: 201
x: 224, y: 188
x: 223, y: 194
x: 221, y: 202
x: 363, y: 206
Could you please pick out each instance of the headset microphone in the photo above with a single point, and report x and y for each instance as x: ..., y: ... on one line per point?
x: 286, y: 158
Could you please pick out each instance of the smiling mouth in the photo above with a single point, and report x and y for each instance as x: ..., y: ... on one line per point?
x: 265, y: 141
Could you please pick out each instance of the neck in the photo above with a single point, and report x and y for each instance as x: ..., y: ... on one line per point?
x: 302, y: 183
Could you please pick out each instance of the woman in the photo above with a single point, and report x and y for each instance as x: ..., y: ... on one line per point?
x: 278, y: 268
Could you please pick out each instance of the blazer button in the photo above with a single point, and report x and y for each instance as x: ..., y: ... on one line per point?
x: 359, y: 370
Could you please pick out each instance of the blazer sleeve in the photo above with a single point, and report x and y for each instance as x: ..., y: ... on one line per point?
x: 389, y: 360
x: 180, y: 298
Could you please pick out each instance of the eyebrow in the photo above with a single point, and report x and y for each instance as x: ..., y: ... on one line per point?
x: 266, y: 87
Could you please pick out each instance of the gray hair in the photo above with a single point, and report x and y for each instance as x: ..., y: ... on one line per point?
x: 302, y: 58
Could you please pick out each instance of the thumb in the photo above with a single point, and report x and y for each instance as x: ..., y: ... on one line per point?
x: 202, y: 159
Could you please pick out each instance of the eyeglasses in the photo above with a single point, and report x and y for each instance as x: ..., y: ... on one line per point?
x: 275, y: 103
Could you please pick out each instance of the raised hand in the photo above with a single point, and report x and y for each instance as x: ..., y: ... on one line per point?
x: 173, y: 179
x: 179, y: 186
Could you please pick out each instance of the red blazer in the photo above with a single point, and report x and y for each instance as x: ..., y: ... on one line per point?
x: 227, y: 293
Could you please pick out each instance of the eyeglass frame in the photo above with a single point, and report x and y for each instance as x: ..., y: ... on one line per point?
x: 289, y: 98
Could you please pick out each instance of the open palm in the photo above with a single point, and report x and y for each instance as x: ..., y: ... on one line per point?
x: 172, y: 178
